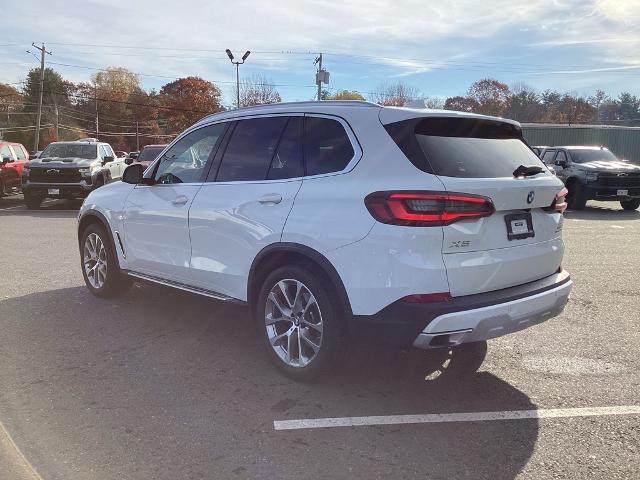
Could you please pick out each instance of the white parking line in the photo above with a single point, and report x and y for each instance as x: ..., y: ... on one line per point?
x: 454, y: 417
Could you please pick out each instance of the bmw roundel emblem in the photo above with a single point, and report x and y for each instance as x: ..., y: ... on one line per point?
x: 531, y: 196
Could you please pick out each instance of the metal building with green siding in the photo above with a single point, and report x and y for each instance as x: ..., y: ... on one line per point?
x: 623, y: 141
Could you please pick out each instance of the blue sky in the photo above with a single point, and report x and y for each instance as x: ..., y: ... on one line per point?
x: 440, y: 47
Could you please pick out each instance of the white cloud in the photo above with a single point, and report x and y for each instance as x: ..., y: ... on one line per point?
x: 407, y: 37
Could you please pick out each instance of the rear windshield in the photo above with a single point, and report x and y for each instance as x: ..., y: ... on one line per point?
x: 463, y: 147
x: 149, y: 153
x: 70, y: 150
x: 584, y: 155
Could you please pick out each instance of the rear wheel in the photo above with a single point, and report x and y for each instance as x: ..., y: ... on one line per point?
x: 630, y: 204
x: 32, y: 201
x: 100, y: 267
x: 302, y: 326
x: 576, y: 198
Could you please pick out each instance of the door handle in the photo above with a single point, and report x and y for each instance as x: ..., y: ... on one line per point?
x: 271, y: 198
x: 180, y: 200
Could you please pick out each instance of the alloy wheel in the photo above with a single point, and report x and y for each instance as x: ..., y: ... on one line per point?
x: 95, y: 260
x: 294, y: 323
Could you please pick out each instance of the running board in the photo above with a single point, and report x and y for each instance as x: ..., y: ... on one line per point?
x: 182, y: 286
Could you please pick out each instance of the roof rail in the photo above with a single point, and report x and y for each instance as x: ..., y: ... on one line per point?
x: 283, y: 105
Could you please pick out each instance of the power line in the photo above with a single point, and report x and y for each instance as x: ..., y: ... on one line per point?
x: 336, y: 54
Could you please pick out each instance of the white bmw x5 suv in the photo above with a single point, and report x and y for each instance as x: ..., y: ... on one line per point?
x: 336, y: 220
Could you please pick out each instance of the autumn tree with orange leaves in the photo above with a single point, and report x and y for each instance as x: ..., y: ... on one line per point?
x: 184, y: 101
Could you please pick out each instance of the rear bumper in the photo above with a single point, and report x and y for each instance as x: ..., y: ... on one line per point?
x: 468, y: 318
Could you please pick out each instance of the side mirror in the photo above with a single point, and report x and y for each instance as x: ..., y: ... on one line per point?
x: 562, y: 163
x: 128, y: 160
x: 6, y: 160
x: 134, y: 174
x: 106, y: 159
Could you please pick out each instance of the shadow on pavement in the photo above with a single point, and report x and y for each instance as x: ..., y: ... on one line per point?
x: 15, y: 203
x: 600, y: 212
x: 178, y: 386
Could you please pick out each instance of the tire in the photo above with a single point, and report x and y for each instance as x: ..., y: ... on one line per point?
x: 105, y: 280
x: 32, y: 201
x: 317, y: 336
x: 99, y: 182
x: 463, y: 360
x: 630, y: 204
x: 576, y: 198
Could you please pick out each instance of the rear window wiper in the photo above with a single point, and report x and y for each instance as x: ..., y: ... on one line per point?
x: 527, y: 171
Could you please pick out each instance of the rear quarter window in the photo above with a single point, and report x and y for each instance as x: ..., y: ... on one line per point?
x: 19, y: 151
x: 463, y: 147
x: 327, y: 147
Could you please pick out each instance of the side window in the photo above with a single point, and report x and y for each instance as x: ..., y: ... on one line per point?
x: 185, y: 160
x: 251, y: 148
x: 287, y: 162
x: 102, y: 152
x: 19, y: 151
x: 327, y: 147
x: 108, y: 150
x: 5, y: 151
x: 548, y: 156
x: 562, y: 157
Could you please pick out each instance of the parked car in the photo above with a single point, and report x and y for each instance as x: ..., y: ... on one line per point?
x: 595, y: 173
x: 70, y: 170
x: 538, y: 150
x: 148, y: 154
x: 13, y: 156
x: 342, y: 220
x: 131, y: 157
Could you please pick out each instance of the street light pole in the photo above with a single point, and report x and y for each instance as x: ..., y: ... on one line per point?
x: 237, y: 64
x: 237, y: 84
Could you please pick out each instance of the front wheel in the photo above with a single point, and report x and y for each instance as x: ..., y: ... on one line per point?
x: 576, y: 198
x: 100, y: 267
x: 630, y: 204
x: 302, y: 326
x: 32, y: 201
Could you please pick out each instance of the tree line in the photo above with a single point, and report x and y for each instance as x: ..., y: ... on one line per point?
x: 130, y: 117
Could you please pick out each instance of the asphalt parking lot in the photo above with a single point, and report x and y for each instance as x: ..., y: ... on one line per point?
x: 165, y: 385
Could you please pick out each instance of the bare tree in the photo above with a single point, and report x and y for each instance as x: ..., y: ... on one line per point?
x: 395, y: 94
x: 258, y: 90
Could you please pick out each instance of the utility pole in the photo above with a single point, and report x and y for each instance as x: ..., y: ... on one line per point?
x: 137, y: 138
x: 56, y: 122
x: 237, y: 64
x: 39, y: 117
x: 319, y: 63
x: 95, y: 94
x: 322, y: 76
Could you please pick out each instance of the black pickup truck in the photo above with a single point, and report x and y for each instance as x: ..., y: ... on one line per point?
x: 594, y: 173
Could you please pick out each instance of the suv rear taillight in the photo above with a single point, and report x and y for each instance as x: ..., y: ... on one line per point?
x: 426, y: 209
x: 559, y: 204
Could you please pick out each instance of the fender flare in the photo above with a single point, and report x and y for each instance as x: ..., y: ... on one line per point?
x: 311, y: 254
